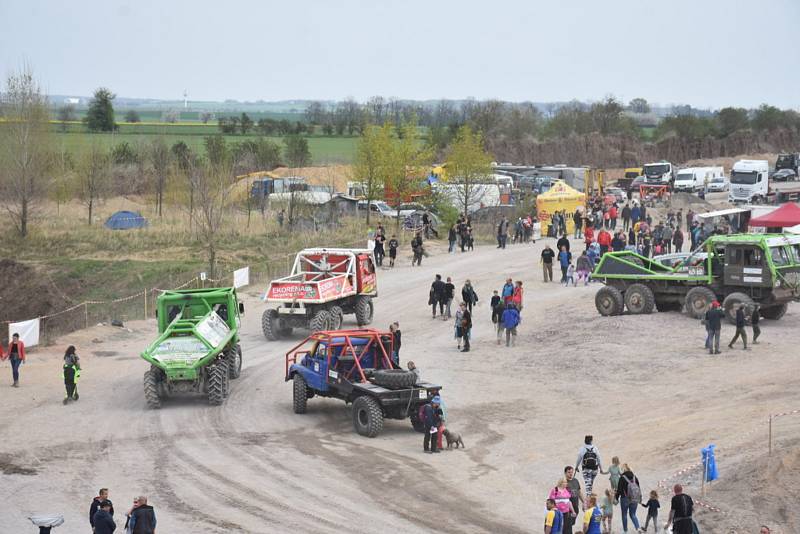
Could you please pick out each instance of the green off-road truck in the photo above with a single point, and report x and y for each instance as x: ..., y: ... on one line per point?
x: 732, y: 269
x: 197, y: 350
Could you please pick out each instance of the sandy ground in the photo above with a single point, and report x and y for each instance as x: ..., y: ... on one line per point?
x: 642, y: 385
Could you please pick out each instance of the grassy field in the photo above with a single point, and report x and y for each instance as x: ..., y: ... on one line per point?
x: 323, y: 149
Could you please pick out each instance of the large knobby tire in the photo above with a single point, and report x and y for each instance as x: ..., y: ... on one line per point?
x: 235, y: 362
x: 218, y: 382
x: 417, y: 423
x: 321, y: 321
x: 639, y: 299
x: 774, y: 312
x: 609, y: 301
x: 364, y: 310
x: 152, y: 388
x: 367, y: 416
x: 730, y: 302
x: 269, y: 325
x: 337, y: 317
x: 394, y: 378
x: 698, y: 300
x: 299, y: 393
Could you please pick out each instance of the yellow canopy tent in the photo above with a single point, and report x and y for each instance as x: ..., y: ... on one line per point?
x: 559, y: 197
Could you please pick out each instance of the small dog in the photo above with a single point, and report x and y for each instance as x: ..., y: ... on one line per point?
x: 453, y: 437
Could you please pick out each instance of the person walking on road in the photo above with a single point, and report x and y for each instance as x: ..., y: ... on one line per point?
x: 449, y: 293
x: 629, y: 495
x: 652, y: 507
x: 561, y: 496
x: 397, y: 339
x: 143, y: 518
x: 593, y: 517
x: 547, y: 263
x: 563, y: 243
x: 466, y: 326
x: 452, y: 235
x: 574, y: 488
x: 554, y: 519
x: 433, y: 419
x: 436, y: 295
x: 502, y: 233
x: 589, y: 463
x: 713, y: 320
x: 680, y: 514
x: 508, y: 290
x: 510, y: 322
x: 516, y: 296
x: 393, y: 244
x: 71, y: 372
x: 740, y: 322
x: 564, y: 259
x: 577, y: 220
x: 459, y: 329
x: 468, y: 295
x: 16, y: 356
x: 754, y: 319
x: 583, y: 268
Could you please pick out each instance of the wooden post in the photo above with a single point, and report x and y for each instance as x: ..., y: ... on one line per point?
x: 86, y: 314
x: 770, y: 435
x: 145, y: 304
x: 705, y: 474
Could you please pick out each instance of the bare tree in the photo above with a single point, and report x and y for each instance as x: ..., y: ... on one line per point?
x: 210, y: 184
x: 66, y: 114
x: 24, y: 148
x: 159, y: 158
x: 93, y: 177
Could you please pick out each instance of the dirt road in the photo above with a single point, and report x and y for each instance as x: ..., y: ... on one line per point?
x: 642, y: 385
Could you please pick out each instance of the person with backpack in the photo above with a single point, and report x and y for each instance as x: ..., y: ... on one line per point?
x: 393, y: 244
x: 449, y: 293
x: 680, y: 514
x: 561, y: 497
x: 629, y: 495
x: 510, y: 321
x: 466, y: 326
x: 554, y: 519
x: 589, y: 462
x: 508, y: 291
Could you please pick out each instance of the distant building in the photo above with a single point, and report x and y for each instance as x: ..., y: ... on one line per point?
x: 72, y: 101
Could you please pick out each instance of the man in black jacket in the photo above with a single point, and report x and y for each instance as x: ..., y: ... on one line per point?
x: 103, y: 522
x: 95, y: 506
x: 714, y: 325
x: 433, y: 418
x: 563, y: 242
x: 437, y: 295
x: 739, y: 327
x: 466, y: 326
x: 449, y: 293
x: 143, y: 518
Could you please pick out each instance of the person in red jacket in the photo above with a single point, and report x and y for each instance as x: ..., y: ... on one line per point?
x: 604, y: 240
x: 16, y: 355
x: 588, y: 235
x: 612, y: 215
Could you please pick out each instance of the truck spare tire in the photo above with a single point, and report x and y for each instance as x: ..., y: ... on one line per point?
x: 394, y: 378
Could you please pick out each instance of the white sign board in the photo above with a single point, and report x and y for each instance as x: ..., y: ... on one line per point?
x: 28, y: 332
x: 241, y: 277
x: 213, y: 329
x: 187, y: 348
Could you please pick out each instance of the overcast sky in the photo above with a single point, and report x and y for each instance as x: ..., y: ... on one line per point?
x: 707, y: 53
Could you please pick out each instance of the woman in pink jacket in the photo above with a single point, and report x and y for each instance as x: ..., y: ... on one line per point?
x: 561, y: 495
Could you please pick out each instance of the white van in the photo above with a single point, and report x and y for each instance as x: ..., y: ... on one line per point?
x: 696, y: 178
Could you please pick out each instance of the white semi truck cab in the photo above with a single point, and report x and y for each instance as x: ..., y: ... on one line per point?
x: 661, y: 173
x: 749, y: 181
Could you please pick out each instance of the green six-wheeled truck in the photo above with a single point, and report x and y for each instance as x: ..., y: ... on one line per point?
x: 197, y: 350
x: 732, y: 269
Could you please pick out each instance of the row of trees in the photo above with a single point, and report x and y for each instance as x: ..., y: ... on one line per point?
x: 391, y: 162
x: 728, y: 121
x: 270, y: 127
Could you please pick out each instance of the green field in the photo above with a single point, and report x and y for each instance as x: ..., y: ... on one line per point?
x: 76, y: 139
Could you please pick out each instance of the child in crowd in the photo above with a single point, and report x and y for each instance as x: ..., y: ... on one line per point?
x: 608, y: 511
x: 652, y: 506
x: 614, y: 473
x: 570, y: 276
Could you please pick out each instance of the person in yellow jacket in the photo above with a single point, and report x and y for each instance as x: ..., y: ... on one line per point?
x: 71, y: 373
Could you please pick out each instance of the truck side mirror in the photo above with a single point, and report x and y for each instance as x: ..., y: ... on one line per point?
x: 241, y: 308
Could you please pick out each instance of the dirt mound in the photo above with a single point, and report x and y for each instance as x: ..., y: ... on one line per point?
x: 772, y: 483
x: 681, y: 200
x: 30, y: 293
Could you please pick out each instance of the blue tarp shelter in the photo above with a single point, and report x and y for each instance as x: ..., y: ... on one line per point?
x: 126, y: 220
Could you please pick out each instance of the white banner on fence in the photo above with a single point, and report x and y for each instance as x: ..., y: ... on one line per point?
x: 28, y: 331
x: 241, y: 277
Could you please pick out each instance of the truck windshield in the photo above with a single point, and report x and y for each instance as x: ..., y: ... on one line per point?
x: 685, y: 177
x: 779, y: 256
x: 655, y: 170
x: 739, y: 177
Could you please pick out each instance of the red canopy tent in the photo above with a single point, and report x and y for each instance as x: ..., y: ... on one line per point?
x: 787, y: 215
